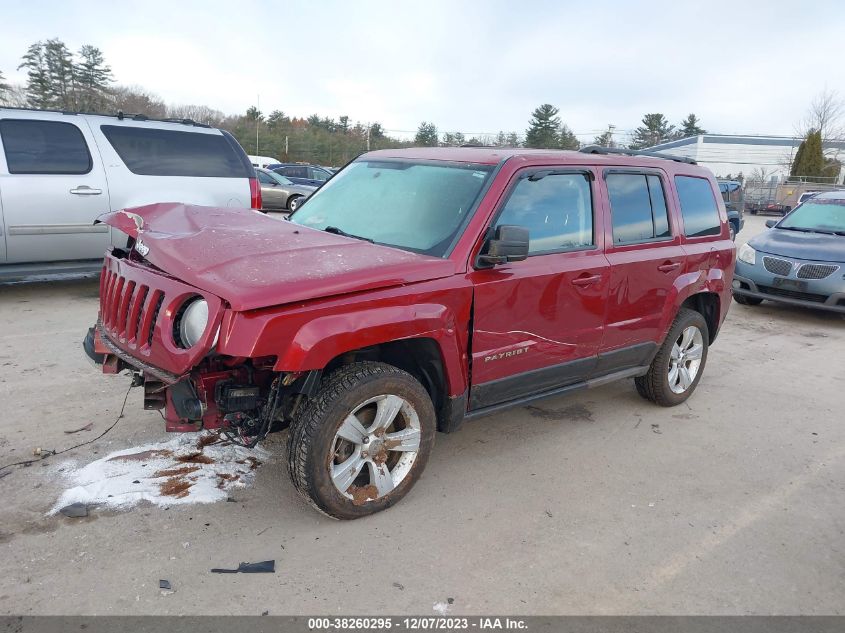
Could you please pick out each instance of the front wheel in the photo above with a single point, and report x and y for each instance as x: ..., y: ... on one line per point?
x: 294, y: 202
x: 676, y: 370
x: 361, y: 443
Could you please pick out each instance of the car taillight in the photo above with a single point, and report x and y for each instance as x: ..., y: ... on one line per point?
x: 254, y: 194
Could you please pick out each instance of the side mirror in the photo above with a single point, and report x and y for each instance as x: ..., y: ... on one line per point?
x: 510, y: 244
x: 771, y: 223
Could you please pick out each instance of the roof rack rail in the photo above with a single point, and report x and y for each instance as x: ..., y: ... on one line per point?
x: 119, y: 115
x: 599, y: 149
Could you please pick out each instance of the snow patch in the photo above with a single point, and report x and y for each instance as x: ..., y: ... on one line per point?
x: 190, y: 468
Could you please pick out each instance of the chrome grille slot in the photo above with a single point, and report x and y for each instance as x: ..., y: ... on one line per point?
x: 816, y: 271
x: 777, y: 266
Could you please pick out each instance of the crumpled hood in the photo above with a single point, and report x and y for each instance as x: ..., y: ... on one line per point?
x: 252, y: 260
x: 800, y: 245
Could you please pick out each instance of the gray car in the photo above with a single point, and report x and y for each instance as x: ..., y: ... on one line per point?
x: 278, y: 193
x: 800, y: 260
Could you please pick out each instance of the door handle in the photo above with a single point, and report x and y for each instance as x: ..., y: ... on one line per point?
x: 586, y: 281
x: 668, y: 267
x: 85, y: 190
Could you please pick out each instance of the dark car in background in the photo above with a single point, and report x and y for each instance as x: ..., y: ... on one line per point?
x: 279, y: 194
x: 799, y: 260
x: 734, y: 199
x: 300, y: 174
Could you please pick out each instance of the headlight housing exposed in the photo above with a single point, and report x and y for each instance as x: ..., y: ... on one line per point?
x: 747, y: 254
x: 192, y: 322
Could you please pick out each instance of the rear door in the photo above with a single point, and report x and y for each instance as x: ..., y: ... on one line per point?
x: 52, y: 188
x: 645, y: 254
x: 538, y: 323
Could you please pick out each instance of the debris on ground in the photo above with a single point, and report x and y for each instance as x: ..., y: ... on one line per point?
x: 87, y: 427
x: 164, y: 584
x: 655, y: 428
x: 75, y: 510
x: 399, y: 586
x: 441, y: 608
x: 188, y: 468
x: 264, y: 567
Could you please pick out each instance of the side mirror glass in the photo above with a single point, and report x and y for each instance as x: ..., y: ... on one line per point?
x: 509, y: 244
x: 771, y: 223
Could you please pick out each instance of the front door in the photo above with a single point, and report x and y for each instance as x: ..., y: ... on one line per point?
x: 53, y: 187
x: 537, y: 324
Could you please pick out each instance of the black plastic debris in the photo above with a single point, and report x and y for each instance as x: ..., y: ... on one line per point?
x: 264, y: 567
x: 75, y: 510
x: 164, y: 584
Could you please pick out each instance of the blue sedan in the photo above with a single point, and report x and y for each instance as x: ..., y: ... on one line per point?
x: 800, y: 260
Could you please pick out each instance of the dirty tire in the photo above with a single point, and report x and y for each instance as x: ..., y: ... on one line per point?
x: 747, y: 301
x: 654, y: 385
x: 312, y: 433
x: 293, y: 203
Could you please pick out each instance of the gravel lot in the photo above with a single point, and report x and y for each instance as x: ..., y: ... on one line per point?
x: 599, y: 503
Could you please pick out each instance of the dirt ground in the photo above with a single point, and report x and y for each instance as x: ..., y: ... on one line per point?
x: 600, y: 503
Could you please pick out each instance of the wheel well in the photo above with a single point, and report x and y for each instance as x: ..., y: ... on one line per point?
x: 420, y: 357
x: 291, y: 197
x: 707, y: 304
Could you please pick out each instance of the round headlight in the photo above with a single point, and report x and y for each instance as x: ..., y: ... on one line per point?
x: 193, y: 322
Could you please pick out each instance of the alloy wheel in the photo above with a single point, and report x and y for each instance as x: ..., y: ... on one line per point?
x: 685, y: 360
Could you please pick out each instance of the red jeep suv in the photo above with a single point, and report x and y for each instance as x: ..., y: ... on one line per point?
x: 416, y: 289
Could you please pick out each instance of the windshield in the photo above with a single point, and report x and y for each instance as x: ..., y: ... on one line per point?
x: 415, y: 206
x: 279, y: 178
x: 826, y: 216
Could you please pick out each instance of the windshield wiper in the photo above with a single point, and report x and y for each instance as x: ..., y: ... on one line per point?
x: 337, y: 231
x: 796, y: 228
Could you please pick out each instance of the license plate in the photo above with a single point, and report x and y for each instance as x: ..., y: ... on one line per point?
x: 790, y: 284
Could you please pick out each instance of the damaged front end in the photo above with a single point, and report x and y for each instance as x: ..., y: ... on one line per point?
x: 166, y: 334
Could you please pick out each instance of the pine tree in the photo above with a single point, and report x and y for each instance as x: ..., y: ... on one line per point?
x: 605, y: 139
x: 38, y: 91
x: 60, y: 71
x: 277, y: 119
x: 426, y: 135
x: 654, y: 130
x: 810, y: 163
x: 567, y: 137
x: 93, y: 77
x: 543, y: 128
x: 513, y: 140
x: 690, y: 127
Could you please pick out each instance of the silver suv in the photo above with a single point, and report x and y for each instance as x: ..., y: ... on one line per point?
x: 60, y: 171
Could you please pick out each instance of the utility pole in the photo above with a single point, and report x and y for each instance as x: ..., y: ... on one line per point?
x: 286, y: 146
x: 610, y: 129
x: 369, y: 127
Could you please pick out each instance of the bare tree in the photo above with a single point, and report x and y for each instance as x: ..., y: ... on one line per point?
x: 826, y: 114
x: 198, y: 113
x: 136, y: 100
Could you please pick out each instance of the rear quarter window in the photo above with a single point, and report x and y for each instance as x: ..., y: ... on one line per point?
x: 44, y: 147
x: 698, y: 206
x: 156, y: 152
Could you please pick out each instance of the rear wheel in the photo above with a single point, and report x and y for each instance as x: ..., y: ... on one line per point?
x: 293, y: 203
x: 676, y: 370
x: 747, y: 301
x: 362, y: 442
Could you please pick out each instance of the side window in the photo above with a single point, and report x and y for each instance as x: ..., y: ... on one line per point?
x: 296, y: 172
x: 44, y: 147
x: 156, y: 152
x: 264, y: 179
x: 556, y: 209
x: 319, y: 174
x: 637, y: 208
x: 698, y: 206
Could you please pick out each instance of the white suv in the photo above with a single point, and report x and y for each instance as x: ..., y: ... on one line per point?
x: 60, y: 171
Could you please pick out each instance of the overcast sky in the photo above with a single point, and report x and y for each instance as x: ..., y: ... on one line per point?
x: 466, y: 65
